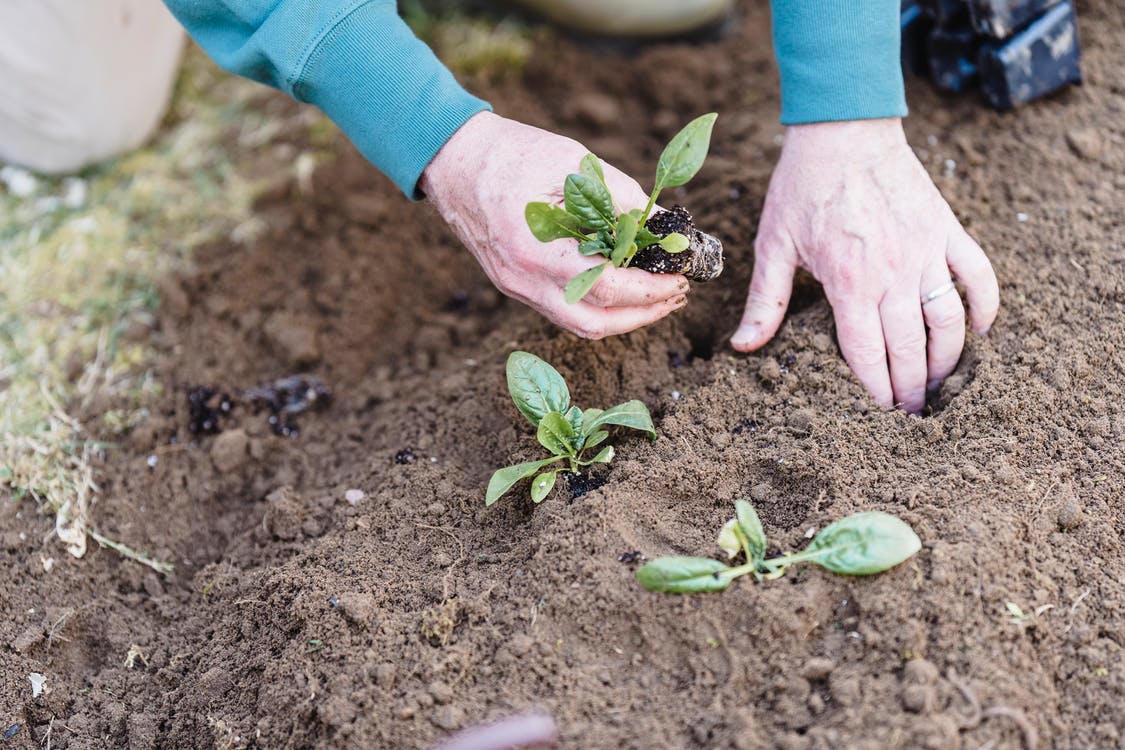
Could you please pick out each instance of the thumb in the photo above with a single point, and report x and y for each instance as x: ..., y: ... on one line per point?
x: 770, y: 287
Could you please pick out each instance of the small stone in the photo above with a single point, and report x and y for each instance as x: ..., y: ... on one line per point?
x: 1069, y: 514
x: 296, y: 337
x: 920, y: 672
x: 359, y: 608
x: 230, y: 450
x: 1085, y: 142
x: 285, y: 513
x: 354, y: 496
x: 448, y: 717
x: 595, y: 108
x: 917, y: 698
x: 817, y: 668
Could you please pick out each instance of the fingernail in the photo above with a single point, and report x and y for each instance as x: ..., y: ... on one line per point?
x: 684, y: 285
x: 744, y: 336
x: 932, y: 386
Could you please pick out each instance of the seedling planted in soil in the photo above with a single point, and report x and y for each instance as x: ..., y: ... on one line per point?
x: 861, y: 544
x: 566, y: 431
x: 665, y: 242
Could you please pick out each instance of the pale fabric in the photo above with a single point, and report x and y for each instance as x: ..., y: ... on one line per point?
x: 82, y: 80
x: 633, y: 17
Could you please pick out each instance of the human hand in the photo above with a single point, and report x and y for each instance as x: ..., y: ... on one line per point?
x: 850, y: 203
x: 481, y: 181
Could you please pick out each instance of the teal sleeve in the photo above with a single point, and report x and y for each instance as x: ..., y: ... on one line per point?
x: 839, y: 59
x: 354, y: 59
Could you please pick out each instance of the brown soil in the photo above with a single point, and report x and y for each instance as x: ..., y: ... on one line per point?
x: 296, y: 619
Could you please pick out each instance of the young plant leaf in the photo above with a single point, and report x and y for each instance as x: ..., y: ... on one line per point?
x: 588, y: 417
x: 504, y: 479
x: 605, y: 455
x: 645, y: 238
x: 632, y: 414
x: 594, y: 247
x: 752, y: 530
x: 536, y: 387
x: 589, y: 200
x: 675, y: 243
x: 577, y: 287
x: 574, y: 416
x: 591, y: 166
x: 683, y: 575
x: 728, y: 540
x: 548, y: 222
x: 555, y: 434
x: 542, y: 485
x: 596, y: 438
x: 684, y: 154
x: 862, y: 544
x: 626, y: 236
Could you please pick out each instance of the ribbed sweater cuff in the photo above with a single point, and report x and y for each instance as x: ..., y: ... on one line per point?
x: 386, y: 91
x: 839, y: 59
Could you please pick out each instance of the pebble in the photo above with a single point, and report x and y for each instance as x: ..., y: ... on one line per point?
x: 1085, y: 142
x: 354, y: 496
x: 230, y: 450
x: 1069, y: 514
x: 296, y: 337
x: 817, y: 668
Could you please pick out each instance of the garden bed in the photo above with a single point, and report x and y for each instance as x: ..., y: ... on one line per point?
x: 298, y: 618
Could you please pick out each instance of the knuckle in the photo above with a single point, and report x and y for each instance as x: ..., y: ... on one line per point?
x: 945, y: 316
x: 867, y: 354
x: 907, y: 346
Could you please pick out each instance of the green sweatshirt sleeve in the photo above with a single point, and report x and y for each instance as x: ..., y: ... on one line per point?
x: 839, y: 59
x: 354, y: 59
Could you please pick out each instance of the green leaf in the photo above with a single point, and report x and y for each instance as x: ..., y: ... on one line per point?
x: 593, y: 247
x: 605, y: 455
x: 683, y: 575
x: 862, y: 544
x: 555, y: 434
x: 728, y: 540
x: 536, y: 387
x: 752, y: 530
x: 626, y: 235
x: 675, y: 243
x: 574, y: 416
x: 645, y: 238
x: 591, y: 166
x: 684, y: 154
x: 504, y: 479
x: 577, y: 287
x: 588, y: 417
x: 542, y: 485
x: 589, y: 200
x: 549, y: 222
x: 596, y: 439
x: 632, y: 414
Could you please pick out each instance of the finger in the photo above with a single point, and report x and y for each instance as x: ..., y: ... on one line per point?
x: 632, y: 287
x: 905, y: 334
x: 861, y: 341
x: 945, y: 319
x: 592, y: 322
x: 972, y: 268
x: 770, y: 288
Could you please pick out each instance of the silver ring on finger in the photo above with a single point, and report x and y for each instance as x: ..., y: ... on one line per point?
x: 941, y: 291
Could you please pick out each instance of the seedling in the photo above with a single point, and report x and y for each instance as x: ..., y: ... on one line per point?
x: 590, y: 216
x: 566, y: 431
x: 861, y: 544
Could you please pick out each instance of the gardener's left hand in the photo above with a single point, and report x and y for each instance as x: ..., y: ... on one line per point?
x: 851, y: 203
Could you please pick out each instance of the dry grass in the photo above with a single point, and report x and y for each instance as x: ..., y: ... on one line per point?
x: 79, y: 258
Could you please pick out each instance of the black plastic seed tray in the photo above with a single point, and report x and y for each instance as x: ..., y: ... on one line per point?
x: 1038, y: 60
x: 1000, y: 18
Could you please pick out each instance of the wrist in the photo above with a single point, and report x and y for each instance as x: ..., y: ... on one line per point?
x: 846, y: 138
x: 459, y: 158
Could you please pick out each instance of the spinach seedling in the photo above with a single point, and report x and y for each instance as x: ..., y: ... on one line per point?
x: 563, y: 429
x: 589, y: 215
x: 860, y: 544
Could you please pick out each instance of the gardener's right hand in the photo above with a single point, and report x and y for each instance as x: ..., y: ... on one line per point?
x: 482, y: 180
